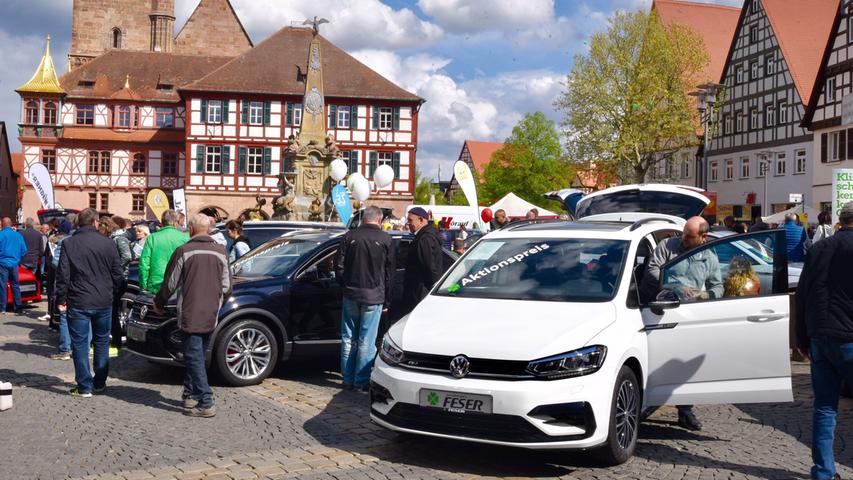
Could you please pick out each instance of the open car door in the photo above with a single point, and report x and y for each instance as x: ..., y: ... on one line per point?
x: 718, y: 330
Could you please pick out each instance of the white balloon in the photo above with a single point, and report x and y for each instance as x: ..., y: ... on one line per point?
x: 339, y: 169
x: 361, y: 189
x: 353, y: 179
x: 383, y: 176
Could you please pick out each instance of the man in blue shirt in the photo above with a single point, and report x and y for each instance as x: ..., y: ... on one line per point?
x: 12, y: 249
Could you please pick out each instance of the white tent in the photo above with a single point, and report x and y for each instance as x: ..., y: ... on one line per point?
x: 779, y: 217
x: 515, y: 206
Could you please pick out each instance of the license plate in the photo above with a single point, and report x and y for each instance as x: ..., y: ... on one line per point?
x: 456, y: 402
x: 135, y: 333
x: 28, y: 288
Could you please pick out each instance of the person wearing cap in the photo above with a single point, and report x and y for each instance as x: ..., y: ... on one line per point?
x: 824, y: 309
x: 424, y: 264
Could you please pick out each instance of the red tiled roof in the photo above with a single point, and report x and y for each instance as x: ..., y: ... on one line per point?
x: 802, y: 33
x: 716, y: 24
x: 481, y: 153
x: 110, y: 71
x: 18, y: 163
x: 274, y: 65
x: 106, y: 134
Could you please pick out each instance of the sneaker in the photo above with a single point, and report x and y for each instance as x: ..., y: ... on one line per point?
x: 201, y: 412
x: 689, y: 421
x: 44, y: 318
x: 99, y: 390
x: 61, y: 356
x: 75, y: 392
x: 190, y: 403
x: 114, y: 352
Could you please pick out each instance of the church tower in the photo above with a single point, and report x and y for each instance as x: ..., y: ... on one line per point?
x: 98, y: 26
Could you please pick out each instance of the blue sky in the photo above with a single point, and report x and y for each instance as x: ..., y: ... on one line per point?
x: 480, y: 64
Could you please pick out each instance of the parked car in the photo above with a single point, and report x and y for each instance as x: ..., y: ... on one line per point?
x: 286, y: 302
x: 30, y: 287
x: 50, y: 214
x: 550, y: 345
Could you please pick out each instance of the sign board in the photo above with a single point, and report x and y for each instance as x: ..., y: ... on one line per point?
x: 795, y: 198
x: 158, y: 202
x: 39, y: 177
x: 724, y: 211
x: 179, y: 197
x: 847, y: 109
x: 340, y: 197
x: 842, y: 190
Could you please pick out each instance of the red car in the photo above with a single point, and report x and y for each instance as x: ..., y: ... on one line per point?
x: 30, y: 287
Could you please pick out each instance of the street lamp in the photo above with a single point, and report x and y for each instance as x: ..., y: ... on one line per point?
x: 706, y: 95
x: 765, y: 161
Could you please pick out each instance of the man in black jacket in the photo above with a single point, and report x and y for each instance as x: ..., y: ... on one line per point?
x: 424, y: 264
x: 89, y: 272
x: 35, y: 246
x: 364, y: 265
x: 825, y: 333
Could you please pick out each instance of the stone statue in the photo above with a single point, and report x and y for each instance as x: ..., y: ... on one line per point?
x: 257, y: 213
x: 283, y: 206
x: 315, y: 211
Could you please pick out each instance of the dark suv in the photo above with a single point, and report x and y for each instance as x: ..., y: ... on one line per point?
x: 286, y: 302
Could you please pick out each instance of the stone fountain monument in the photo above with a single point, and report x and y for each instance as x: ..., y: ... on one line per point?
x: 306, y: 185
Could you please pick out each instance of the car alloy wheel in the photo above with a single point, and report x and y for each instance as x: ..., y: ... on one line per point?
x: 247, y: 352
x: 624, y: 420
x: 626, y: 413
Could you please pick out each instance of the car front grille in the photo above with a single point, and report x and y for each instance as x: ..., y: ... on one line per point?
x: 479, y: 367
x: 149, y: 317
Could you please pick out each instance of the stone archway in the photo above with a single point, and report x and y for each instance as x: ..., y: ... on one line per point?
x: 219, y: 213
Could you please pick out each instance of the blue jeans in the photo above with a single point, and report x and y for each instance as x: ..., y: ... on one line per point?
x: 196, y: 385
x: 359, y: 324
x: 65, y: 336
x: 832, y: 362
x: 10, y: 274
x: 80, y: 323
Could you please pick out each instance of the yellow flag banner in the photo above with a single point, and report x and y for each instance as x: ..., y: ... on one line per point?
x: 158, y: 202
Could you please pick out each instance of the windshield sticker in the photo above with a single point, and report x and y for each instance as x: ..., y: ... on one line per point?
x: 494, y: 268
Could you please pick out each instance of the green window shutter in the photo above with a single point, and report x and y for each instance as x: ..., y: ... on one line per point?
x: 375, y: 117
x: 267, y: 160
x: 823, y: 147
x: 199, y: 159
x: 283, y: 162
x: 203, y: 110
x: 374, y: 159
x: 353, y: 161
x: 395, y: 164
x: 396, y: 124
x: 241, y: 167
x: 333, y: 116
x: 244, y: 116
x: 225, y: 111
x: 267, y: 113
x: 288, y: 118
x: 226, y: 159
x: 353, y: 117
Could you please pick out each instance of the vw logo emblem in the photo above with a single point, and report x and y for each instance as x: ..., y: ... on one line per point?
x: 459, y: 366
x: 142, y: 311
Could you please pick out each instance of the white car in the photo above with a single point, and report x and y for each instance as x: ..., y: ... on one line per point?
x: 537, y: 337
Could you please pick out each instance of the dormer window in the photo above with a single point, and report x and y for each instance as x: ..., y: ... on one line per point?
x: 50, y: 113
x: 86, y: 83
x: 166, y: 87
x: 116, y: 38
x: 32, y: 112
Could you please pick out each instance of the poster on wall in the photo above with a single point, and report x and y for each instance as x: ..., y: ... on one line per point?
x: 39, y: 177
x: 842, y: 190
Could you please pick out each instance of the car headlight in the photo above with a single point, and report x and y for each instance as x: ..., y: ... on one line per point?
x: 390, y: 352
x: 571, y: 364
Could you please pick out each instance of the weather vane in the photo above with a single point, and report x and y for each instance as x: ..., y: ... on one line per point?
x: 315, y: 24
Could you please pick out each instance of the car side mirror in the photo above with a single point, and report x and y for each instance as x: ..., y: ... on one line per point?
x: 665, y: 300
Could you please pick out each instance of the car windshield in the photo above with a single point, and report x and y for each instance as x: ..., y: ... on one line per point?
x: 578, y: 270
x: 274, y: 258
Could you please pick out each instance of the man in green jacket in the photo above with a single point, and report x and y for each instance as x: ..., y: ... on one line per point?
x: 158, y: 250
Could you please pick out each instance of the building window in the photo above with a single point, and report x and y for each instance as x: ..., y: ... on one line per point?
x: 99, y: 162
x: 351, y: 157
x: 753, y: 33
x: 738, y: 74
x: 165, y: 117
x: 105, y: 202
x: 170, y: 164
x: 715, y: 174
x: 85, y: 114
x: 800, y: 158
x: 138, y: 202
x: 123, y: 116
x: 386, y: 118
x: 769, y: 115
x: 213, y: 160
x: 783, y: 113
x: 754, y: 119
x: 93, y: 201
x: 744, y: 167
x: 769, y: 65
x: 730, y: 170
x: 850, y: 29
x: 727, y: 124
x: 255, y: 163
x: 685, y: 167
x: 214, y: 111
x: 754, y: 6
x: 754, y: 70
x: 138, y: 166
x: 256, y: 113
x: 50, y: 113
x: 32, y: 112
x: 830, y: 90
x: 739, y: 122
x: 344, y: 117
x: 116, y: 38
x: 762, y: 166
x: 48, y: 158
x: 297, y: 114
x: 781, y: 164
x: 835, y: 146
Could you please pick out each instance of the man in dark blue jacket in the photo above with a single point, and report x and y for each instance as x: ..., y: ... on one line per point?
x: 89, y: 273
x: 12, y: 250
x: 824, y: 305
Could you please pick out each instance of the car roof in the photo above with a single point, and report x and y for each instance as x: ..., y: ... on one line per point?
x: 617, y: 230
x: 286, y: 224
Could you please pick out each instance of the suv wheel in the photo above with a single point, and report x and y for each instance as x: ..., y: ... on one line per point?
x: 624, y: 420
x: 246, y: 353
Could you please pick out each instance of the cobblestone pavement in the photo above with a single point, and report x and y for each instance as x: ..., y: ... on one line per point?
x: 300, y: 424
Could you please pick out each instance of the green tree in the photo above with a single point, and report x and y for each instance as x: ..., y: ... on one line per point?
x: 530, y: 163
x: 624, y: 105
x: 424, y: 189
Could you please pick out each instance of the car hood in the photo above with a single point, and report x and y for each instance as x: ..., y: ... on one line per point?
x: 500, y: 329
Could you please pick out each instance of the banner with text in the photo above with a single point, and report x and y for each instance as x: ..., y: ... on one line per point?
x: 842, y: 190
x: 180, y: 200
x: 340, y: 197
x: 39, y: 177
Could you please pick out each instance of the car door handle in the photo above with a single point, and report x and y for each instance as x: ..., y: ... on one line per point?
x: 765, y: 317
x: 660, y: 326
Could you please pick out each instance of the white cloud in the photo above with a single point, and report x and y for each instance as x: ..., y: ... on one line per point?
x: 467, y: 16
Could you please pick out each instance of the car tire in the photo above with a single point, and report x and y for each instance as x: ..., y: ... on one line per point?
x: 624, y: 420
x: 246, y: 353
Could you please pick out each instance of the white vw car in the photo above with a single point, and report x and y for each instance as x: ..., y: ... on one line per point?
x: 538, y: 338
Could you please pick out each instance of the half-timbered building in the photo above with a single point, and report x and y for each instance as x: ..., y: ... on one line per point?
x: 760, y: 145
x: 830, y: 109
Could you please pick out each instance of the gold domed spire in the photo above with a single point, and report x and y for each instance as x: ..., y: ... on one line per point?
x: 44, y: 80
x: 127, y: 82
